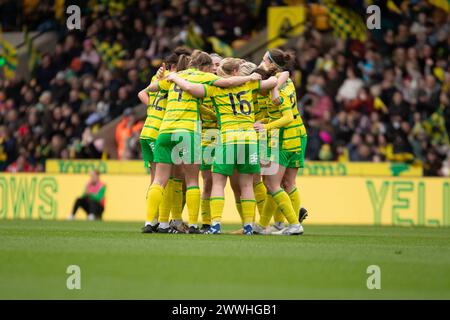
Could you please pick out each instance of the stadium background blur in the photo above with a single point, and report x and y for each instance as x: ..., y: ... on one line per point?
x: 373, y: 97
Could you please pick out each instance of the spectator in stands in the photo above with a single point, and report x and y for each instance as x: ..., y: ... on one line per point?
x: 321, y: 105
x: 20, y: 165
x: 350, y: 87
x: 89, y: 57
x: 45, y: 72
x: 122, y: 102
x: 60, y: 88
x: 433, y: 165
x: 127, y: 130
x: 93, y: 199
x: 7, y: 147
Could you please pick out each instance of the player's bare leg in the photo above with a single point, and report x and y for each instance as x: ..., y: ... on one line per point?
x: 152, y: 172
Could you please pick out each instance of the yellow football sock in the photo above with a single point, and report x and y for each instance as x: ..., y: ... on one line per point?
x: 260, y: 195
x: 294, y: 195
x: 239, y: 210
x: 206, y: 212
x: 284, y: 203
x: 248, y: 210
x: 177, y: 201
x: 278, y: 216
x: 154, y: 198
x: 193, y: 204
x: 166, y: 203
x: 217, y: 204
x: 269, y: 207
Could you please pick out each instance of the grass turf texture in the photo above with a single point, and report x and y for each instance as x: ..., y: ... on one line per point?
x: 118, y: 262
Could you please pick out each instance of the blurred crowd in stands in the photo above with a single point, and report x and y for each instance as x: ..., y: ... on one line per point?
x: 383, y: 100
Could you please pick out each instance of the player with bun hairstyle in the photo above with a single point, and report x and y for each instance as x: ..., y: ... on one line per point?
x: 247, y: 67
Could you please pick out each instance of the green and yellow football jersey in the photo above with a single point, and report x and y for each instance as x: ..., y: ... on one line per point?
x: 182, y: 109
x: 289, y: 136
x: 155, y: 113
x: 235, y: 112
x: 261, y: 106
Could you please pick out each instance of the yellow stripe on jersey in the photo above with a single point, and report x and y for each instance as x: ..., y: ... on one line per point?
x: 155, y: 113
x: 182, y: 110
x: 290, y: 134
x: 235, y: 112
x: 209, y: 123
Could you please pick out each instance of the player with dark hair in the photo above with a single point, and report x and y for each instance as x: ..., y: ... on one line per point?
x: 93, y: 199
x: 285, y: 128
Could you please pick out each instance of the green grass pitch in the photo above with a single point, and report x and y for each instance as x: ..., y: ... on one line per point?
x: 118, y: 262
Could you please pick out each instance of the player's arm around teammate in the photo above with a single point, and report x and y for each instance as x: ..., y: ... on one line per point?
x: 287, y: 148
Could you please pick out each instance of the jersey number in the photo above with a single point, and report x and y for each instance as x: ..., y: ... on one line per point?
x: 244, y: 105
x: 292, y: 97
x: 180, y: 92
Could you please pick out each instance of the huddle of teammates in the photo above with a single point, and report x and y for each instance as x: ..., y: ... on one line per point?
x: 226, y: 118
